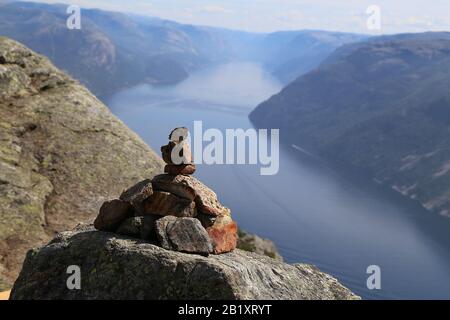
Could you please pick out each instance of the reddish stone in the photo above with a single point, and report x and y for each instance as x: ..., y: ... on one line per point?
x: 112, y: 214
x: 188, y: 187
x: 167, y: 204
x: 179, y: 169
x: 223, y: 234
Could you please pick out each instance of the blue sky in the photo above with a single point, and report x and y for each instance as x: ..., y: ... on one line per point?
x: 272, y: 15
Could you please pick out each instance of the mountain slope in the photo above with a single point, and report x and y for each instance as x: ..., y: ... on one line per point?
x: 290, y: 54
x: 62, y: 154
x: 113, y: 51
x: 383, y: 106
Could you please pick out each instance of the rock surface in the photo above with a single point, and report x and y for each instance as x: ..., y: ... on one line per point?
x: 253, y: 243
x: 112, y: 214
x: 56, y: 142
x: 114, y: 267
x: 131, y: 227
x: 190, y: 188
x: 223, y: 234
x: 184, y: 235
x: 137, y: 194
x: 148, y: 228
x: 165, y: 204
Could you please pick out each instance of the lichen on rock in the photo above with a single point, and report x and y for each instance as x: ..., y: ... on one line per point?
x: 59, y: 148
x: 117, y: 267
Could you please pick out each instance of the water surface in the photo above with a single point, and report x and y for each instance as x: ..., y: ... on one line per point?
x: 340, y: 222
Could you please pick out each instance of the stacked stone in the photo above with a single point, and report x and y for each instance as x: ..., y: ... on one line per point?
x: 173, y: 210
x: 177, y: 139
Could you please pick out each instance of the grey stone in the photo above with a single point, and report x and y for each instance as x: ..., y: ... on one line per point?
x: 115, y: 267
x: 188, y: 235
x: 137, y: 194
x: 131, y: 227
x: 161, y: 231
x: 183, y: 234
x: 148, y: 230
x: 112, y: 214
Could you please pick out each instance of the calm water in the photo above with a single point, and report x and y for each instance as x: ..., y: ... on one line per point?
x: 338, y: 222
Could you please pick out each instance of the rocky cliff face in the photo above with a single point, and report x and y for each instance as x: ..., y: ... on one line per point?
x: 116, y: 267
x: 62, y: 154
x: 110, y: 52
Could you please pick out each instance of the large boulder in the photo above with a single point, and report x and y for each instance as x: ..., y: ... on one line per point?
x: 115, y: 267
x: 59, y: 150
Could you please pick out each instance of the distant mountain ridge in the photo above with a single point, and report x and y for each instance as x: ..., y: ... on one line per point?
x: 107, y: 54
x: 382, y: 105
x: 113, y: 51
x: 299, y: 52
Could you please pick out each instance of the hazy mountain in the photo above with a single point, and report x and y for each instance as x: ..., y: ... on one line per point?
x: 291, y: 54
x: 382, y: 105
x: 286, y: 54
x: 113, y: 50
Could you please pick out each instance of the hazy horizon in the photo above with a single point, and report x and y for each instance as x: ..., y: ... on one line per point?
x: 284, y: 15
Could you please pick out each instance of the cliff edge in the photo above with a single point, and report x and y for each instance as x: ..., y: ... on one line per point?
x: 62, y: 154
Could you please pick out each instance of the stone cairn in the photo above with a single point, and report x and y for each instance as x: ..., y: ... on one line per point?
x: 174, y: 210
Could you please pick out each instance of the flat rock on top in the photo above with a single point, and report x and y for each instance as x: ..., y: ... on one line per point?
x: 157, y: 273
